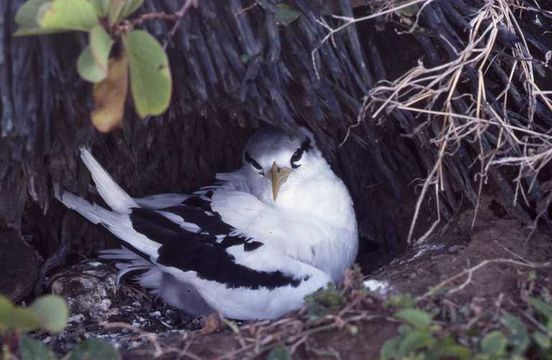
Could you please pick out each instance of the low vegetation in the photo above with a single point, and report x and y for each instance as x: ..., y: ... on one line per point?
x: 46, y: 313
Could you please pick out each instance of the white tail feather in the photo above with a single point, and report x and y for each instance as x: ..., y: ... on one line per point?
x: 118, y: 224
x: 161, y: 201
x: 129, y: 261
x: 123, y: 254
x: 92, y: 212
x: 110, y: 191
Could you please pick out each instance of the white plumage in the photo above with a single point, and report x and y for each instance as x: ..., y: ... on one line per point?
x: 251, y: 246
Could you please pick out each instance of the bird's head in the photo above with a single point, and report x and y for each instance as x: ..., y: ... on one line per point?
x: 276, y: 162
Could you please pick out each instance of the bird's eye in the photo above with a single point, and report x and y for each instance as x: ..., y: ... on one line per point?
x: 298, y: 154
x: 253, y: 163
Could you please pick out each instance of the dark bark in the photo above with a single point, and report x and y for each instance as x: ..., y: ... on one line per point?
x: 18, y: 265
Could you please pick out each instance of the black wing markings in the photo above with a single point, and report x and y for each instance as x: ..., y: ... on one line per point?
x: 197, y: 210
x: 201, y: 252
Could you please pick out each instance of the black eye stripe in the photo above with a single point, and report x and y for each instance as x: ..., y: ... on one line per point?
x: 252, y: 161
x: 305, y: 147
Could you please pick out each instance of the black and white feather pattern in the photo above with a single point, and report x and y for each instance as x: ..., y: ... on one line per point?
x: 216, y: 249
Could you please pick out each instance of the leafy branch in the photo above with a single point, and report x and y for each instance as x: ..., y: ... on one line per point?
x: 117, y: 53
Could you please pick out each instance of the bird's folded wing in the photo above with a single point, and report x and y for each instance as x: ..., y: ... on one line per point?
x: 294, y: 234
x: 247, y: 285
x: 196, y: 215
x: 235, y: 275
x: 238, y: 208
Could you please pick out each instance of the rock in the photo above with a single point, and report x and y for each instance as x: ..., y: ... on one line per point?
x: 88, y: 288
x: 19, y: 266
x: 379, y: 287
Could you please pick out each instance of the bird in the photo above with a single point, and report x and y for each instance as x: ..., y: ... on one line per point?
x: 249, y: 246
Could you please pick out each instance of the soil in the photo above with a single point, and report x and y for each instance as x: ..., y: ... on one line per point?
x: 154, y: 329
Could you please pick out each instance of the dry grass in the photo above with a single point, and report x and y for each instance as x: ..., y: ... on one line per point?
x: 448, y: 113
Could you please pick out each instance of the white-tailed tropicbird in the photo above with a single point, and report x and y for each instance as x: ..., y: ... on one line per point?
x: 251, y: 246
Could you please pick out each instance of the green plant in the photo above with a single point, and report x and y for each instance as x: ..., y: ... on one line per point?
x: 47, y: 312
x: 323, y: 301
x: 542, y: 336
x: 516, y: 341
x: 401, y: 301
x: 50, y: 313
x: 419, y: 338
x: 279, y: 353
x: 116, y: 53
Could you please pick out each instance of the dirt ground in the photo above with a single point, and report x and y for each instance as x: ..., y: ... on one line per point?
x: 506, y: 263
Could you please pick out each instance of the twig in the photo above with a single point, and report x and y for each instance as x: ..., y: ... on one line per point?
x: 186, y: 6
x: 470, y: 271
x: 138, y: 21
x: 151, y: 337
x: 348, y: 21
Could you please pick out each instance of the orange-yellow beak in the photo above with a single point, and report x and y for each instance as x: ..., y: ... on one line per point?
x: 278, y: 176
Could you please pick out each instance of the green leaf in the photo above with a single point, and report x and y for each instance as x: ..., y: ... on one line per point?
x: 150, y: 76
x: 37, y: 31
x: 26, y: 14
x: 94, y: 349
x: 52, y: 311
x: 519, y: 337
x: 130, y: 7
x: 115, y: 10
x: 101, y: 7
x: 389, y: 348
x: 455, y: 352
x: 401, y: 301
x: 413, y: 341
x: 110, y: 96
x: 119, y: 9
x: 77, y: 15
x: 415, y: 317
x: 543, y: 341
x: 16, y: 318
x: 92, y: 62
x: 543, y: 308
x: 323, y: 301
x: 31, y: 349
x: 285, y: 14
x: 494, y: 343
x: 22, y: 319
x: 447, y: 348
x: 26, y: 18
x: 88, y: 69
x: 49, y: 312
x: 279, y: 353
